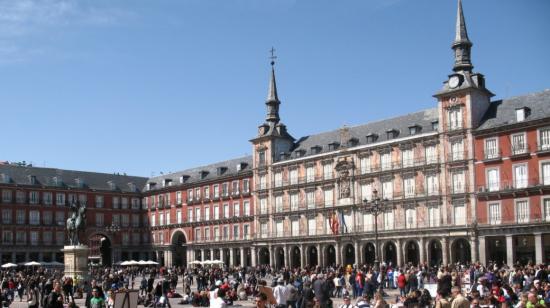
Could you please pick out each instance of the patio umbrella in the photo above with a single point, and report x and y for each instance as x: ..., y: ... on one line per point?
x: 33, y: 263
x: 8, y: 265
x: 141, y: 262
x: 151, y: 262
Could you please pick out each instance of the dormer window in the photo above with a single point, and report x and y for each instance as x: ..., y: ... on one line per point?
x: 300, y: 153
x: 32, y: 180
x: 315, y: 149
x: 521, y: 114
x: 5, y: 178
x: 415, y: 129
x: 353, y: 142
x: 183, y: 178
x: 241, y: 166
x: 151, y: 185
x: 371, y: 138
x: 112, y: 185
x: 333, y: 146
x: 284, y: 155
x: 203, y: 174
x: 435, y: 125
x: 392, y: 133
x: 57, y: 181
x: 79, y: 182
x: 219, y: 171
x: 167, y: 182
x: 133, y: 187
x: 261, y: 157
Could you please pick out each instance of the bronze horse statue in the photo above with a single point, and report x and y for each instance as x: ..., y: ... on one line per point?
x: 76, y: 222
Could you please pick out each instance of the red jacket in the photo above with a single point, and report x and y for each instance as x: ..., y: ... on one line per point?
x: 401, y: 281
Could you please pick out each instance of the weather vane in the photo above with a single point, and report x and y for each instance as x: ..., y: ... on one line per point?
x: 273, y: 56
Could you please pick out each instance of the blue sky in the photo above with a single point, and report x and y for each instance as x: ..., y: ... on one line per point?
x: 145, y: 86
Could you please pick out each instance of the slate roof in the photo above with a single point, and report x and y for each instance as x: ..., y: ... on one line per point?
x: 503, y: 112
x: 423, y: 119
x: 194, y: 174
x: 21, y: 175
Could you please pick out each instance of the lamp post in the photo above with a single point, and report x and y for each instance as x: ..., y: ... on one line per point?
x: 375, y: 206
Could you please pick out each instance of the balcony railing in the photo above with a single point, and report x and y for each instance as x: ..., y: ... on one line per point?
x: 492, y: 155
x: 503, y: 186
x: 543, y: 148
x: 457, y: 156
x: 518, y: 150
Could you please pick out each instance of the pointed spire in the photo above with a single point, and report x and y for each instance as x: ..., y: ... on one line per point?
x: 462, y: 44
x: 272, y: 101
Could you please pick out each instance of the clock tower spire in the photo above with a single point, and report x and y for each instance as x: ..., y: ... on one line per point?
x: 462, y: 44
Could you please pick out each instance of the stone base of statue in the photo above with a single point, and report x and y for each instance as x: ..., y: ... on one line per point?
x: 76, y: 262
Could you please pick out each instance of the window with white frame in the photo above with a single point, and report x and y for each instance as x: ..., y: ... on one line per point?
x: 126, y: 238
x: 178, y: 197
x: 198, y: 214
x: 161, y: 219
x: 236, y: 231
x: 34, y: 238
x: 329, y: 196
x: 135, y: 203
x: 368, y: 222
x: 278, y: 204
x: 407, y: 158
x: 98, y: 201
x: 225, y: 188
x: 207, y: 192
x: 311, y: 226
x: 47, y: 198
x: 263, y: 182
x: 295, y: 227
x: 115, y: 219
x: 47, y: 237
x: 7, y: 237
x: 246, y: 231
x: 544, y: 139
x: 246, y: 207
x: 365, y: 164
x: 327, y: 171
x: 519, y: 146
x: 293, y: 176
x: 235, y: 188
x: 457, y: 179
x: 198, y: 234
x: 125, y: 220
x: 20, y: 217
x: 216, y: 211
x: 236, y: 209
x: 278, y: 179
x: 520, y: 114
x: 455, y: 118
x: 6, y: 216
x: 279, y: 228
x: 310, y: 199
x: 385, y: 160
x: 33, y: 197
x: 207, y: 213
x: 387, y: 189
x: 190, y: 215
x: 207, y: 233
x: 197, y: 193
x: 388, y: 220
x: 263, y: 206
x: 124, y: 203
x: 522, y: 211
x: 457, y: 150
x: 189, y: 195
x: 546, y: 208
x: 432, y: 183
x: 495, y: 215
x: 153, y: 220
x: 520, y: 176
x: 491, y: 148
x: 493, y: 179
x: 545, y: 172
x: 99, y: 219
x: 434, y: 217
x: 59, y: 198
x: 263, y: 229
x: 20, y: 237
x: 178, y: 217
x: 6, y: 196
x: 60, y: 218
x: 226, y: 211
x: 310, y: 174
x: 409, y: 187
x: 410, y: 218
x: 59, y: 237
x: 20, y: 197
x: 246, y: 186
x: 216, y: 191
x: 366, y: 191
x: 116, y: 202
x: 294, y: 201
x: 216, y: 233
x: 225, y: 231
x: 431, y: 155
x: 459, y: 213
x: 34, y: 217
x: 168, y: 218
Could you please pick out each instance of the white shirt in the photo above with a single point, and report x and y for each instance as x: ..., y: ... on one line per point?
x: 281, y: 294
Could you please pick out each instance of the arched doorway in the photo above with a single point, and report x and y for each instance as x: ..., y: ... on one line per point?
x: 247, y: 257
x: 280, y: 257
x: 226, y: 257
x: 295, y: 257
x: 496, y: 250
x: 524, y: 246
x: 100, y: 249
x: 412, y: 253
x: 179, y: 249
x: 460, y: 251
x: 435, y: 253
x: 349, y: 255
x: 263, y: 256
x: 390, y: 254
x: 198, y: 255
x: 370, y: 253
x: 312, y: 256
x: 330, y: 254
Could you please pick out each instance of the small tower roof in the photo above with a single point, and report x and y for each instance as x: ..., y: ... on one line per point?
x: 272, y: 92
x: 461, y: 36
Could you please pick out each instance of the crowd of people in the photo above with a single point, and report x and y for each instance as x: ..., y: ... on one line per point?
x: 457, y: 286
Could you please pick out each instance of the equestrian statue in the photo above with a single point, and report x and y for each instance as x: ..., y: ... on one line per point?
x: 76, y: 222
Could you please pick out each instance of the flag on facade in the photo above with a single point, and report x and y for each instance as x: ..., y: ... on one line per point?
x: 343, y: 223
x: 334, y: 224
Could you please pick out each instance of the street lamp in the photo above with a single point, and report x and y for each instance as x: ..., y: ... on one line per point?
x: 375, y: 207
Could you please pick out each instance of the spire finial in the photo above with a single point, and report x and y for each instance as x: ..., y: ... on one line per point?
x: 272, y: 97
x: 461, y: 44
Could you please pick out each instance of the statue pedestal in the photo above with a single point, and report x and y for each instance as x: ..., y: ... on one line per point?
x: 76, y: 262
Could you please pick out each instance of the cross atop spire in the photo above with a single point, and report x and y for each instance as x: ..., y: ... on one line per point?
x: 272, y: 101
x: 462, y: 44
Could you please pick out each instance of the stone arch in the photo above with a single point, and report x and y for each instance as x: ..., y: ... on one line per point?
x: 312, y: 256
x: 369, y: 253
x: 348, y: 253
x: 390, y: 253
x: 263, y: 256
x: 412, y: 252
x: 178, y: 245
x: 460, y: 251
x: 330, y: 255
x: 295, y: 256
x: 279, y: 257
x: 435, y: 252
x: 101, y: 250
